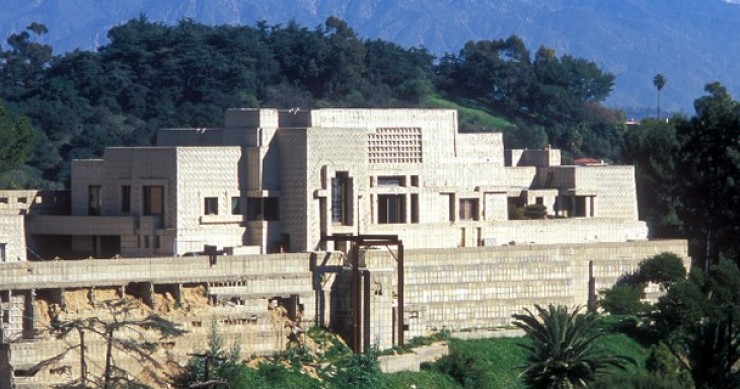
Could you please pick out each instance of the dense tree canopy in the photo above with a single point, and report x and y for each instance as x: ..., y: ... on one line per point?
x: 153, y: 75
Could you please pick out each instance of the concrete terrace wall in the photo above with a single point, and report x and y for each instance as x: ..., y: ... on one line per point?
x: 461, y: 289
x: 481, y: 287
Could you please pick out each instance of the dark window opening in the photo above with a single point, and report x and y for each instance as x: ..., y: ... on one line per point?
x: 414, y: 180
x: 153, y: 200
x: 580, y: 206
x: 210, y: 206
x: 259, y: 209
x: 414, y: 208
x: 391, y: 209
x: 93, y: 192
x: 391, y: 181
x: 236, y: 207
x: 126, y: 198
x: 340, y: 199
x: 468, y: 209
x: 540, y: 200
x: 2, y: 252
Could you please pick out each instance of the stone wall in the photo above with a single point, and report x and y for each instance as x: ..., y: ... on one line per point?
x: 255, y: 299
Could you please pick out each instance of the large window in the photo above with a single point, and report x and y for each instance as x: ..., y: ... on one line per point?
x: 468, y: 209
x: 210, y: 206
x: 153, y: 200
x: 125, y: 198
x: 2, y: 252
x: 391, y: 209
x: 340, y: 199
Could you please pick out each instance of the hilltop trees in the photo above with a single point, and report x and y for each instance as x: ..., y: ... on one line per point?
x: 559, y: 93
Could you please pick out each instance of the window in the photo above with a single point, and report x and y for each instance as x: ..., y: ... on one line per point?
x: 340, y: 199
x: 414, y: 208
x: 93, y: 193
x: 236, y: 207
x: 391, y: 181
x: 414, y: 180
x: 267, y: 208
x: 153, y: 200
x: 157, y: 242
x: 391, y: 209
x: 540, y: 200
x: 210, y: 206
x: 468, y: 209
x: 2, y: 252
x: 125, y: 198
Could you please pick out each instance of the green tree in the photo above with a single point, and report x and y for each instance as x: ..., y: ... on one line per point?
x: 709, y: 162
x: 561, y: 353
x: 664, y: 269
x: 659, y: 81
x: 653, y: 148
x: 17, y: 140
x: 624, y: 300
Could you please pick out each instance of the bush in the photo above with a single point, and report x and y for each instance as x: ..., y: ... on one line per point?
x: 461, y: 368
x: 664, y: 269
x: 535, y: 211
x: 358, y: 371
x: 624, y: 300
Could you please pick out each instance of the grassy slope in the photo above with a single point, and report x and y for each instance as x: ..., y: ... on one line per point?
x: 473, y: 116
x: 499, y: 359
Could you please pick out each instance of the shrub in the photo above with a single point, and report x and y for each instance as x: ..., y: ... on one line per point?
x: 664, y: 269
x: 535, y: 211
x: 624, y: 300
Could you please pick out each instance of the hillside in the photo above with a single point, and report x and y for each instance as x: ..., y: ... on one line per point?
x: 691, y: 42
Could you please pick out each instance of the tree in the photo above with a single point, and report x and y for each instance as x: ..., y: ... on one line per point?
x: 653, y: 148
x: 17, y: 139
x: 659, y: 81
x: 709, y: 162
x: 664, y: 269
x: 561, y: 353
x: 624, y: 300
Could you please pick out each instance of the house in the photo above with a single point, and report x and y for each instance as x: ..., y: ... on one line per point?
x: 277, y: 180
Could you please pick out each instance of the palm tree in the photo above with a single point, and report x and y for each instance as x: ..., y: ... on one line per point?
x: 560, y: 355
x: 659, y: 81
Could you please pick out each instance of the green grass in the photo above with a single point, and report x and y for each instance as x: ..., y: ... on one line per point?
x: 496, y: 359
x: 473, y: 117
x: 495, y: 363
x: 425, y: 379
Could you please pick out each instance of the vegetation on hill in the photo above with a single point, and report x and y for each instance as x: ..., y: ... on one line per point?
x: 153, y: 75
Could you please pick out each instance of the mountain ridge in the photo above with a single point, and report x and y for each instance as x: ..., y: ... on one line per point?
x: 692, y: 43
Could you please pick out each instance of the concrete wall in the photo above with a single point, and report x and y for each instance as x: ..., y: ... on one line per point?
x: 480, y: 288
x: 460, y: 289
